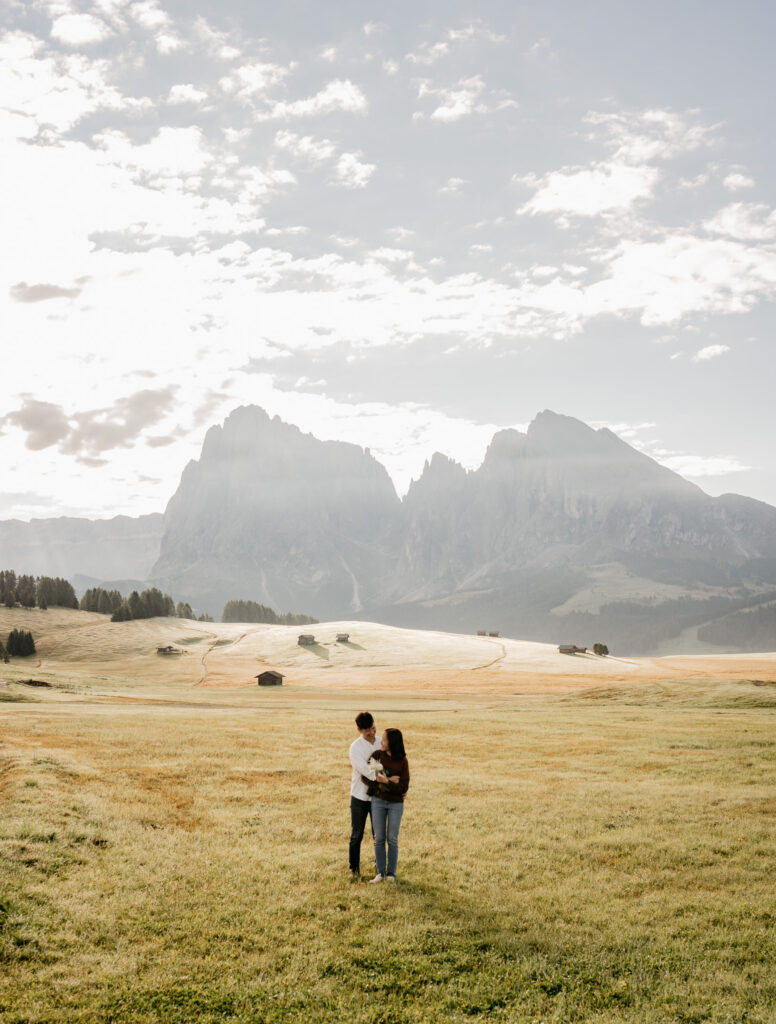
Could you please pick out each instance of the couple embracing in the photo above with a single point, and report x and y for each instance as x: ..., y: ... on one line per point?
x: 381, y: 777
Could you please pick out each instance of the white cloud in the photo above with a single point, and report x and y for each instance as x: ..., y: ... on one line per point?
x: 735, y: 181
x: 55, y: 90
x: 305, y: 147
x: 336, y: 95
x: 637, y: 137
x: 352, y: 172
x: 149, y: 15
x: 430, y: 53
x: 186, y: 93
x: 588, y: 192
x: 218, y: 44
x: 452, y: 186
x: 171, y: 153
x: 699, y: 466
x: 635, y: 141
x: 710, y: 352
x: 80, y: 30
x: 747, y: 221
x: 664, y: 281
x: 253, y: 79
x: 457, y: 101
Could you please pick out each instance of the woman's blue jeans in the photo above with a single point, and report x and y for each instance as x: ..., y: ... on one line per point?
x: 386, y: 819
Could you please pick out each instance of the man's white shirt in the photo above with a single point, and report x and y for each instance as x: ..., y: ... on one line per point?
x: 360, y: 752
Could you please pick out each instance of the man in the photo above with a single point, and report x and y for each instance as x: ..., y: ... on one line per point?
x: 360, y: 801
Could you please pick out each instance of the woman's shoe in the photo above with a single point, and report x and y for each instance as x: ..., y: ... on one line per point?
x: 377, y: 878
x: 390, y: 878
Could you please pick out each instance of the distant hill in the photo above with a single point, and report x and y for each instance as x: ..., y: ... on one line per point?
x: 102, y: 549
x: 563, y: 534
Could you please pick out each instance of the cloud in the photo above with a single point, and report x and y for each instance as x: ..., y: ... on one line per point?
x: 23, y: 292
x: 699, y: 466
x: 430, y: 53
x: 305, y: 147
x: 452, y: 186
x: 89, y: 434
x: 735, y: 181
x: 336, y: 95
x: 220, y: 45
x: 636, y: 141
x: 54, y: 91
x: 457, y: 101
x: 80, y: 30
x: 588, y: 192
x: 253, y: 79
x: 710, y: 352
x: 681, y: 274
x: 352, y: 173
x: 747, y: 221
x: 44, y: 423
x: 186, y: 93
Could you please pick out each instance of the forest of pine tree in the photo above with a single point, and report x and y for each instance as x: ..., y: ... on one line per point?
x: 252, y: 611
x: 30, y: 591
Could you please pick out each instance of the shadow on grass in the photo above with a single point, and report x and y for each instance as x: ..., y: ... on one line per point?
x: 317, y: 649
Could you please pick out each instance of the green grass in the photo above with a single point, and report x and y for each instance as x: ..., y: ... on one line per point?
x: 562, y: 860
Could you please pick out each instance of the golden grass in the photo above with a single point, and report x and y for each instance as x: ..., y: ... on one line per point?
x: 590, y: 857
x: 585, y: 840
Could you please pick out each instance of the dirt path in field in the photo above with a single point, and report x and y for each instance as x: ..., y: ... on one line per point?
x: 494, y: 660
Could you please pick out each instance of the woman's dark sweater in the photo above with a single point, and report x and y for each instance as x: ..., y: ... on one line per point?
x: 393, y: 791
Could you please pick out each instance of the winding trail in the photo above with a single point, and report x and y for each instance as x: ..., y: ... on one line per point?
x: 212, y: 647
x: 501, y: 657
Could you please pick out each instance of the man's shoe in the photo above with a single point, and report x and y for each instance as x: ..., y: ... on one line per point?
x: 377, y: 878
x: 390, y: 878
x: 355, y: 876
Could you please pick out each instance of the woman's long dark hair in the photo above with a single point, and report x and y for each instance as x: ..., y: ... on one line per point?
x: 396, y: 744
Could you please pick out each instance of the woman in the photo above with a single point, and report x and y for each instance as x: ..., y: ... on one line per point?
x: 388, y: 802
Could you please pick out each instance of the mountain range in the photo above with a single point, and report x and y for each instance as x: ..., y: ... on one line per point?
x: 564, y: 533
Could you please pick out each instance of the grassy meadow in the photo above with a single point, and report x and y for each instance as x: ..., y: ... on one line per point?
x: 602, y: 857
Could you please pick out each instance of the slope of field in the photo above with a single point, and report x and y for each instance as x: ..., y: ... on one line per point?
x: 79, y: 650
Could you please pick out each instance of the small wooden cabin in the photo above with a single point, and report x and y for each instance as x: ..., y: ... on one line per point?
x: 270, y: 678
x: 343, y: 638
x: 493, y: 634
x: 571, y: 649
x: 306, y: 640
x: 167, y: 650
x: 482, y: 632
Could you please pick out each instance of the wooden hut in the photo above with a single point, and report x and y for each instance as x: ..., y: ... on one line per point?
x: 571, y: 649
x: 270, y: 678
x: 306, y: 640
x: 343, y: 638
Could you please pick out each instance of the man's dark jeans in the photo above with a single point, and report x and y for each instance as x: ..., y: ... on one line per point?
x: 360, y: 810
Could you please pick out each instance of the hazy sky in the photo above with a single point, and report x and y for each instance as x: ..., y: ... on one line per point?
x: 399, y: 224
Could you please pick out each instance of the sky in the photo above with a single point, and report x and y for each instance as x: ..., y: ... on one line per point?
x: 402, y: 225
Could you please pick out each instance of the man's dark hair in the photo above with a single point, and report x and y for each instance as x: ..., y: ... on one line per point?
x: 364, y: 720
x: 396, y: 744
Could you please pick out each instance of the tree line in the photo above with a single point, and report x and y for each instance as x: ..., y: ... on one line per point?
x: 35, y: 591
x: 252, y: 611
x: 751, y: 630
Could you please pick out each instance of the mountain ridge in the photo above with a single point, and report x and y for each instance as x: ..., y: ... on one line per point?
x: 522, y: 542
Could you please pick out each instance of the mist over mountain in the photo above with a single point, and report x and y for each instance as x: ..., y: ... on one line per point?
x: 276, y: 515
x: 117, y: 548
x: 564, y: 533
